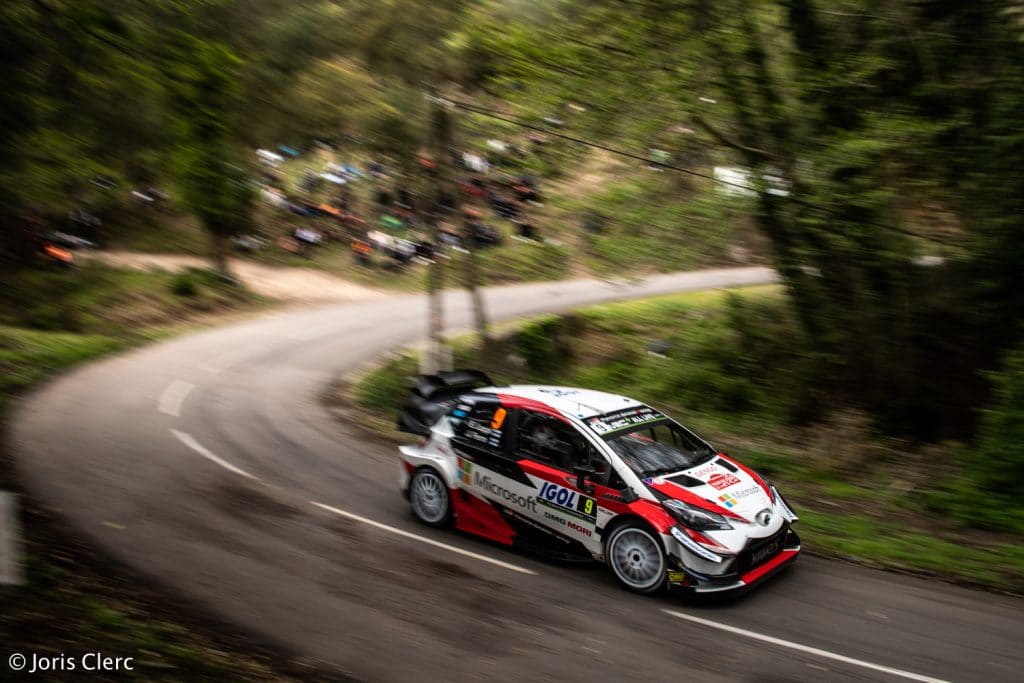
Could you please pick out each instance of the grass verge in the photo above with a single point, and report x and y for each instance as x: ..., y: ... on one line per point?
x: 862, y: 495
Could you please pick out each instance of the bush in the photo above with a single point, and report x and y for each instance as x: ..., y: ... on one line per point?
x: 385, y: 388
x: 546, y: 345
x: 192, y: 281
x: 999, y: 460
x: 989, y: 490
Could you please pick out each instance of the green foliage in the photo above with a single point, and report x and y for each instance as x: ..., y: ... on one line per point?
x: 518, y: 261
x: 988, y: 489
x: 192, y: 282
x: 869, y: 113
x: 999, y: 459
x: 386, y: 388
x: 27, y: 356
x: 652, y: 223
x: 859, y: 496
x: 214, y: 185
x: 540, y: 344
x: 95, y: 299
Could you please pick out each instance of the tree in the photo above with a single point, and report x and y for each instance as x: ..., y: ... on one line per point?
x: 214, y: 185
x: 866, y: 110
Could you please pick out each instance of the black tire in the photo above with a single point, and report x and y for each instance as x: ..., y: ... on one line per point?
x: 636, y: 558
x: 429, y: 497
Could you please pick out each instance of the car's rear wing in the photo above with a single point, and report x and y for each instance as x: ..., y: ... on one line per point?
x: 432, y: 395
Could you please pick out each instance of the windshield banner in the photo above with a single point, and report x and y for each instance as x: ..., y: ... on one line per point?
x: 621, y: 419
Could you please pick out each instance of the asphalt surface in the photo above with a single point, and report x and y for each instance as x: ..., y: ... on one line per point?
x: 198, y: 461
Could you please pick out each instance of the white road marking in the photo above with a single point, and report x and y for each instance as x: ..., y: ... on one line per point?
x: 198, y: 448
x: 436, y: 544
x: 174, y: 396
x: 804, y: 648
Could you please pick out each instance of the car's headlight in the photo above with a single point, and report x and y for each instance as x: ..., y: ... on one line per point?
x: 696, y: 518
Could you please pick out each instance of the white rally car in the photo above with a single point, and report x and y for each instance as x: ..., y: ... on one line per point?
x: 576, y: 473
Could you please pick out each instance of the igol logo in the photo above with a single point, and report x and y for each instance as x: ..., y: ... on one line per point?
x: 557, y: 496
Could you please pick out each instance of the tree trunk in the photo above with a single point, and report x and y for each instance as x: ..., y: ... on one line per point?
x: 471, y: 274
x: 219, y: 254
x: 435, y: 321
x: 440, y: 139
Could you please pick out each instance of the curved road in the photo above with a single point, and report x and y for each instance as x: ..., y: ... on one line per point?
x: 208, y: 463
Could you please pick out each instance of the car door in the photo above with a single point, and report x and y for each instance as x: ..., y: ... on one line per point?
x: 485, y: 468
x: 549, y: 449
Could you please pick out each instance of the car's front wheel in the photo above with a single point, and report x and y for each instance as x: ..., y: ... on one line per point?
x: 428, y: 496
x: 637, y: 558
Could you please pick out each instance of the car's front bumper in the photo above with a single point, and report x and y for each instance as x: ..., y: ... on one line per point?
x: 691, y: 572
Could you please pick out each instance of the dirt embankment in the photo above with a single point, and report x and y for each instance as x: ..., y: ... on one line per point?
x: 304, y: 285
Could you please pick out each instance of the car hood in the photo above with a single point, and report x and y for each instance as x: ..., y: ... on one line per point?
x: 719, y: 484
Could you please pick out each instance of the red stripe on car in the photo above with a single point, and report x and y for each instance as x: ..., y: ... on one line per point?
x: 769, y: 566
x: 682, y: 493
x: 529, y: 404
x: 477, y: 516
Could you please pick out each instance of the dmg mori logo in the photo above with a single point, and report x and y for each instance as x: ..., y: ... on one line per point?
x: 764, y: 517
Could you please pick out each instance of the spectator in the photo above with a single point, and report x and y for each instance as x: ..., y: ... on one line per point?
x: 361, y: 252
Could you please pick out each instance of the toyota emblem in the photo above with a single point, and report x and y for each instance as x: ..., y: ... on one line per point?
x: 764, y: 517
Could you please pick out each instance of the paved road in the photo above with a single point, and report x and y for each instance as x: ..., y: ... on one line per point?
x: 199, y: 461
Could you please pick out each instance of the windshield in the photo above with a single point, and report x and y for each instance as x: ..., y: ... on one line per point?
x: 660, y: 448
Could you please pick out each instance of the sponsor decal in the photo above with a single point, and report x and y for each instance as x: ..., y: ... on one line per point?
x: 499, y: 418
x: 676, y: 577
x: 764, y: 552
x: 566, y: 500
x: 568, y: 524
x: 465, y: 471
x: 620, y: 419
x: 555, y: 518
x: 703, y: 470
x: 723, y: 480
x: 560, y: 392
x: 579, y: 528
x: 743, y: 493
x: 499, y: 491
x: 484, y: 433
x: 728, y: 500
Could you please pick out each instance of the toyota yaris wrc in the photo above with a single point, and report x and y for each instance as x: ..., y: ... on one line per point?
x: 581, y: 474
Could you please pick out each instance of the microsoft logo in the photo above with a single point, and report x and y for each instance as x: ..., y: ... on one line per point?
x: 465, y: 471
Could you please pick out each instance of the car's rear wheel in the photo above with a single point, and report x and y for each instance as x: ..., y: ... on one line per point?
x: 636, y: 558
x: 429, y: 498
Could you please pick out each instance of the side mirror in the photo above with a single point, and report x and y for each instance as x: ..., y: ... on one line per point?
x: 583, y: 473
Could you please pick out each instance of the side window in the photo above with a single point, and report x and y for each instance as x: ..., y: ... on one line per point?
x: 604, y: 474
x: 482, y: 424
x: 549, y: 440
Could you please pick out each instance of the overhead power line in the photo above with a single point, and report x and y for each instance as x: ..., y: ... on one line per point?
x: 490, y: 113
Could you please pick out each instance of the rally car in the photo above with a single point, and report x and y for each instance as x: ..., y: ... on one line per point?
x: 582, y: 474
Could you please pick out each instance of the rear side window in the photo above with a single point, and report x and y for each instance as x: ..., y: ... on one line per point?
x: 482, y: 423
